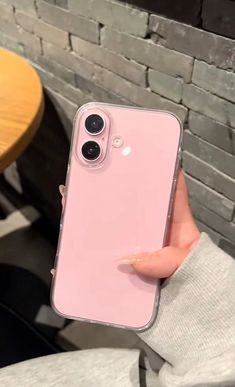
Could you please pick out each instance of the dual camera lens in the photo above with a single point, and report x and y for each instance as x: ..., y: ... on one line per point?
x: 94, y: 125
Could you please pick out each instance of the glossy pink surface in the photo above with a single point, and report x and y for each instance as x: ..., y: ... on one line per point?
x: 114, y: 209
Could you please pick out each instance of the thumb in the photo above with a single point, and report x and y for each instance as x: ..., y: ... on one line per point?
x: 161, y: 264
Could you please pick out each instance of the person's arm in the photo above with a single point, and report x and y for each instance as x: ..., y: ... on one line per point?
x: 194, y: 331
x: 195, y: 327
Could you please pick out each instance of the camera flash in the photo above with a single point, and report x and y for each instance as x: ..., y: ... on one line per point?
x: 126, y: 151
x: 117, y: 142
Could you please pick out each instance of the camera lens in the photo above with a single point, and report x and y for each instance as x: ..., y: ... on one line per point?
x: 94, y: 124
x: 91, y: 150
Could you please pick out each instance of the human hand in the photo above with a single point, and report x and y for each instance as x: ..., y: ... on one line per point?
x: 182, y: 237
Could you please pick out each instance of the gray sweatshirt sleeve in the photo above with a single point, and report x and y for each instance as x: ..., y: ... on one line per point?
x: 195, y: 328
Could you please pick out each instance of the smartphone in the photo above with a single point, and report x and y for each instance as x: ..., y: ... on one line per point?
x: 119, y: 192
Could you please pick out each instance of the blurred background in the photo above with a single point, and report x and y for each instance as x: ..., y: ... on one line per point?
x: 169, y: 55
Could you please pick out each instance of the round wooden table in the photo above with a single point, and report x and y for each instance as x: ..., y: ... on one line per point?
x: 21, y: 106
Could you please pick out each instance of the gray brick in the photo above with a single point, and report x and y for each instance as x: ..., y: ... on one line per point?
x: 65, y: 109
x: 70, y: 60
x: 62, y: 3
x: 215, y: 236
x: 68, y: 91
x: 113, y: 14
x: 135, y: 94
x: 81, y: 7
x: 209, y: 104
x: 28, y: 6
x: 143, y: 97
x: 233, y: 141
x: 6, y: 12
x: 30, y: 52
x: 23, y: 37
x: 209, y: 175
x: 99, y: 93
x: 213, y: 220
x: 8, y: 29
x: 43, y: 30
x: 160, y: 25
x: 29, y: 40
x: 130, y: 70
x: 219, y: 82
x: 210, y: 130
x: 216, y: 157
x: 61, y: 18
x: 210, y: 198
x: 51, y: 66
x: 227, y: 246
x: 58, y: 70
x: 146, y: 52
x: 11, y: 44
x: 165, y: 85
x: 211, y: 48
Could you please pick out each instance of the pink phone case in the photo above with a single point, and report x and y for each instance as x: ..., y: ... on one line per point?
x: 115, y: 207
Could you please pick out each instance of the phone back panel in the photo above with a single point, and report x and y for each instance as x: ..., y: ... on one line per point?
x: 114, y: 210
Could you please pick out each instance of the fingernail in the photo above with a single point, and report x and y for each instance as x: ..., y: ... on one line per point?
x: 61, y: 189
x: 132, y: 259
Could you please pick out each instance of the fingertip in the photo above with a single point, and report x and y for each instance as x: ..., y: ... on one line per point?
x: 61, y: 189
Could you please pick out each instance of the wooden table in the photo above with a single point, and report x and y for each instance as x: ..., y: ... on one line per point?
x: 21, y: 106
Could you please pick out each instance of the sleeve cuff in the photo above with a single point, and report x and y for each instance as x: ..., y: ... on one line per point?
x: 196, y: 316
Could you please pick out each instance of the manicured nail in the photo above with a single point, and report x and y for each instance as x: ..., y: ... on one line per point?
x: 132, y: 259
x: 62, y: 189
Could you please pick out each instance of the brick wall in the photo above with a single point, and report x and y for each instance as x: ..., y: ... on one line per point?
x: 211, y: 15
x: 103, y: 50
